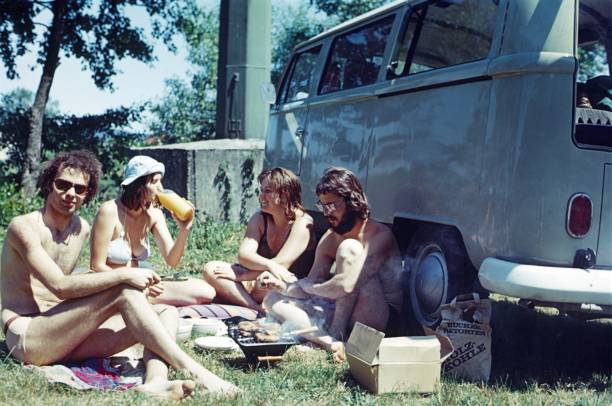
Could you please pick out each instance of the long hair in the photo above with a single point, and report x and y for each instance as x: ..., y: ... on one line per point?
x: 133, y: 194
x: 80, y: 160
x: 287, y: 185
x: 344, y: 183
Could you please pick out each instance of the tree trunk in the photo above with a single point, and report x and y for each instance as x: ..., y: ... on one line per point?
x: 37, y: 112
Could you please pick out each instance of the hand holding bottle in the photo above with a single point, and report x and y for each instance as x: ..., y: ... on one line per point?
x: 181, y: 208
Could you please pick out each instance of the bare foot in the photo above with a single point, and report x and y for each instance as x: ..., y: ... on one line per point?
x: 227, y: 389
x: 168, y: 390
x: 221, y: 387
x: 214, y: 384
x: 338, y: 353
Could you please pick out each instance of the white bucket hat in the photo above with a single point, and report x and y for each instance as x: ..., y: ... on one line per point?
x: 141, y: 165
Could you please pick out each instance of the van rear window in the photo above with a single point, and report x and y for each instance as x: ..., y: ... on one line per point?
x: 443, y: 34
x: 356, y: 57
x: 593, y: 80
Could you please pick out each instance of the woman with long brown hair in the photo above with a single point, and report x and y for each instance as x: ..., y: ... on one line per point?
x: 279, y: 239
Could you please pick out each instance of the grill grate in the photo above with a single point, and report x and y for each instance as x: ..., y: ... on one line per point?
x: 253, y: 349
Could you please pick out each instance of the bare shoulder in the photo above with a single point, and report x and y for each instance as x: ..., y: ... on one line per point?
x: 257, y: 221
x: 328, y: 244
x: 380, y: 233
x: 109, y: 207
x: 155, y: 215
x: 303, y: 219
x: 23, y: 229
x: 257, y: 218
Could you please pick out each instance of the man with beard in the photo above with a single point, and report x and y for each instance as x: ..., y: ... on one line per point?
x: 365, y: 285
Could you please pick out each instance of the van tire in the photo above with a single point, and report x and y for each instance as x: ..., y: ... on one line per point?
x: 439, y: 269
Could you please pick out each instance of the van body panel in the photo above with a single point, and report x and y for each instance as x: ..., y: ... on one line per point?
x: 604, y: 245
x: 539, y: 26
x: 532, y: 62
x: 337, y: 136
x: 527, y: 208
x: 443, y: 77
x: 419, y: 162
x: 286, y: 149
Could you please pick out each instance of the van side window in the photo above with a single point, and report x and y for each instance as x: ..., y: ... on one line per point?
x: 356, y: 57
x: 297, y: 87
x: 445, y: 33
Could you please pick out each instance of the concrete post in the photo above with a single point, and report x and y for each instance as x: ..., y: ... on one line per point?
x: 244, y: 64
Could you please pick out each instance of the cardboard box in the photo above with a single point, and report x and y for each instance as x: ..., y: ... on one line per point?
x: 397, y: 364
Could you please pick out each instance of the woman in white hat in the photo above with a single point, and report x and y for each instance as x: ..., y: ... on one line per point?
x: 120, y: 234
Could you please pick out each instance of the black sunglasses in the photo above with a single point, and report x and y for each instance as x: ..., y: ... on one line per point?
x: 64, y: 185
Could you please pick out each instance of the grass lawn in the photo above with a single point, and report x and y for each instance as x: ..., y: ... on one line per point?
x: 539, y: 358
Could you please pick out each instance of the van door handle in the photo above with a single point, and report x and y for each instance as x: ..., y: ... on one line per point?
x: 300, y: 132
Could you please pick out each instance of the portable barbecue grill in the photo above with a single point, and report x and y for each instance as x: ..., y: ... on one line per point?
x: 255, y: 351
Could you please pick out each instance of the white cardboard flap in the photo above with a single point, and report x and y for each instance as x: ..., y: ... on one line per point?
x: 364, y: 342
x: 409, y: 349
x: 446, y: 346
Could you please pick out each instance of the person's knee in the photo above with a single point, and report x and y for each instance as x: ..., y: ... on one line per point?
x: 348, y: 250
x: 127, y: 293
x: 204, y: 293
x: 164, y: 310
x: 271, y: 299
x: 208, y: 272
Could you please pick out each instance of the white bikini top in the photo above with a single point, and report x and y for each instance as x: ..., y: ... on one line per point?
x: 120, y: 250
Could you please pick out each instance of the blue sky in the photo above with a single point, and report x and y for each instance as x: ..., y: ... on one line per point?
x: 75, y: 91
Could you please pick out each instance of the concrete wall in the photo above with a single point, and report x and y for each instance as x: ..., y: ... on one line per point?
x: 218, y: 176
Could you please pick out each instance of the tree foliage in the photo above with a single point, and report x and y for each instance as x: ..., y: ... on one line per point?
x: 102, y: 134
x: 98, y: 33
x: 99, y: 36
x: 593, y: 62
x: 187, y: 111
x: 347, y: 9
x: 293, y: 24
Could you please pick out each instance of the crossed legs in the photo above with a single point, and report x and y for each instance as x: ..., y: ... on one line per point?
x: 75, y: 328
x: 234, y: 284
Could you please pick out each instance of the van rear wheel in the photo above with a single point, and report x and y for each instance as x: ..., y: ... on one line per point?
x: 439, y: 269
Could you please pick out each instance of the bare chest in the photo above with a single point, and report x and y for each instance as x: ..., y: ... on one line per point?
x: 63, y: 250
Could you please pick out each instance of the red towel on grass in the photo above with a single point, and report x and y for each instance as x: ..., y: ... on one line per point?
x: 114, y: 373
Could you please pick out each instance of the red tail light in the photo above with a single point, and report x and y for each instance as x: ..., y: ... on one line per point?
x: 579, y: 213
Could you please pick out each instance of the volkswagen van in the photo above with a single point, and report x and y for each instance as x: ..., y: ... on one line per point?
x: 460, y: 119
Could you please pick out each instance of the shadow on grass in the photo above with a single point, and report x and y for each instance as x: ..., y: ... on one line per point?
x: 242, y: 364
x: 4, y: 351
x: 532, y: 347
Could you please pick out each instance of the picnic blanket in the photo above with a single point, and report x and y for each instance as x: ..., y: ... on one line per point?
x: 114, y: 373
x: 216, y: 311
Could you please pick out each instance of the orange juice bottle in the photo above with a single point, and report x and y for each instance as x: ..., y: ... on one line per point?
x: 176, y: 204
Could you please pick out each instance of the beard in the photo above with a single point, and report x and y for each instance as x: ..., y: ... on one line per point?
x: 346, y: 223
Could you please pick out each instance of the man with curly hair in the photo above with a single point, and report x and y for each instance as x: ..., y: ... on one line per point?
x: 365, y: 285
x: 51, y: 315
